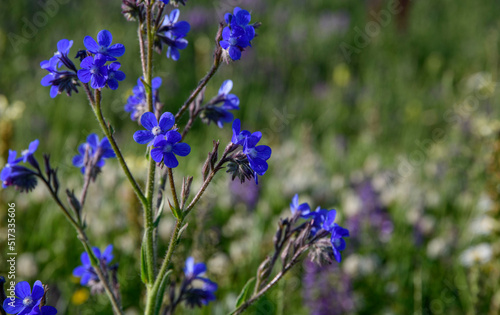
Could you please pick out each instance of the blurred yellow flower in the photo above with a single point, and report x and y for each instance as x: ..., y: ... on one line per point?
x: 80, y: 296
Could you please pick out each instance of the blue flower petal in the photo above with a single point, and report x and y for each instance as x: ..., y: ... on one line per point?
x: 38, y: 290
x: 170, y: 160
x: 90, y: 44
x: 167, y: 121
x: 148, y: 120
x: 104, y: 38
x: 226, y: 87
x: 181, y: 149
x: 116, y: 50
x: 23, y: 289
x: 79, y: 271
x: 157, y: 154
x: 15, y: 308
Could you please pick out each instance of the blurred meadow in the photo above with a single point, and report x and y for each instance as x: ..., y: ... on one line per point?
x: 390, y: 116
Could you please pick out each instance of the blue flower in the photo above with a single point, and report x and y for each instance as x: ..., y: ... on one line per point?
x: 114, y: 75
x: 201, y: 296
x: 86, y: 272
x: 221, y: 114
x: 239, y: 136
x: 93, y: 70
x: 172, y: 33
x: 197, y: 295
x: 166, y: 147
x: 174, y: 45
x: 257, y: 155
x: 60, y: 80
x: 44, y: 310
x: 19, y: 176
x: 337, y: 234
x: 154, y: 130
x: 192, y: 270
x: 304, y: 209
x: 25, y: 299
x: 170, y: 24
x: 30, y: 151
x: 230, y: 101
x: 241, y: 18
x: 97, y: 152
x: 238, y: 35
x: 104, y: 47
x: 137, y: 103
x: 165, y: 1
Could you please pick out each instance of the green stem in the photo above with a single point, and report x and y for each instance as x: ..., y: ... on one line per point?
x: 172, y: 188
x: 198, y: 89
x: 148, y: 208
x: 98, y: 113
x: 154, y: 293
x: 85, y: 242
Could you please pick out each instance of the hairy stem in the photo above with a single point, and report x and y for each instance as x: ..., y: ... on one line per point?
x: 172, y: 188
x: 153, y: 294
x: 208, y: 76
x: 96, y: 106
x: 85, y: 242
x: 272, y: 283
x: 148, y: 209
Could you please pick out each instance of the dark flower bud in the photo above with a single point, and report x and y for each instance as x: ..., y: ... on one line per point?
x: 238, y: 166
x: 81, y: 54
x: 133, y: 10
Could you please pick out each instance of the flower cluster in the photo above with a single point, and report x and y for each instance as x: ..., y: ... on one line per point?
x: 93, y: 65
x: 87, y: 273
x: 137, y: 102
x: 27, y: 302
x: 172, y: 33
x: 19, y: 176
x: 220, y: 114
x: 322, y: 219
x: 238, y: 34
x: 94, y: 68
x: 92, y: 154
x: 165, y: 141
x: 197, y: 295
x: 257, y: 155
x: 60, y: 80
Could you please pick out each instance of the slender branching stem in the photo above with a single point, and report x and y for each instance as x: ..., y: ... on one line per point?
x: 172, y: 188
x: 273, y: 282
x: 141, y: 48
x: 86, y: 245
x: 107, y: 131
x: 150, y: 183
x: 208, y: 76
x: 154, y: 294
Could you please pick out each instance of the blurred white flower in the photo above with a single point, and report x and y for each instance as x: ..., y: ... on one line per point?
x: 483, y: 225
x: 479, y: 254
x: 26, y: 265
x: 437, y: 247
x: 355, y: 265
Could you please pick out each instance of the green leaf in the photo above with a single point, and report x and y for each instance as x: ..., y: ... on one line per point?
x: 244, y: 292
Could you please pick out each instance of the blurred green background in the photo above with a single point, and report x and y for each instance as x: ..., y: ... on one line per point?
x: 396, y: 128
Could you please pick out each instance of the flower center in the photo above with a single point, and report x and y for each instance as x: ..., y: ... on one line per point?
x: 94, y: 70
x: 167, y: 148
x: 103, y: 49
x: 252, y: 153
x: 27, y: 301
x: 233, y: 41
x: 25, y: 152
x: 156, y: 130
